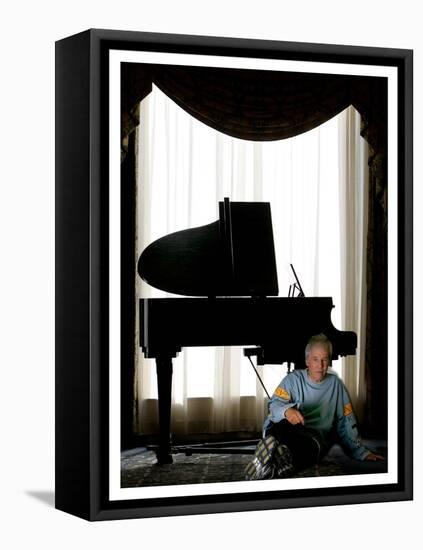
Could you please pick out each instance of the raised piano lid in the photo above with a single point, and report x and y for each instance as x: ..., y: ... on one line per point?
x: 234, y: 256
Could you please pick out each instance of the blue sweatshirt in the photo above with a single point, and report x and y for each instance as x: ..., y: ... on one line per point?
x: 325, y: 406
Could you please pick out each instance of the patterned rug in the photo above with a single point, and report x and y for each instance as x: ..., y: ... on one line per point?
x: 139, y: 467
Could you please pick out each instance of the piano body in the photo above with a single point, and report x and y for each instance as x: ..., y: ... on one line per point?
x: 228, y: 269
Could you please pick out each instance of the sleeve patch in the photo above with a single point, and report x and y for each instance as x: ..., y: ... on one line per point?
x: 281, y: 392
x: 348, y: 409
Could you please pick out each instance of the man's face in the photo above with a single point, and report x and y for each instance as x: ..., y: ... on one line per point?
x: 318, y: 363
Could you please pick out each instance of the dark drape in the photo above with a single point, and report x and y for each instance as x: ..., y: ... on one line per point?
x: 274, y: 105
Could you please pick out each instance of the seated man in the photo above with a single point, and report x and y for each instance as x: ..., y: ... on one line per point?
x: 309, y: 408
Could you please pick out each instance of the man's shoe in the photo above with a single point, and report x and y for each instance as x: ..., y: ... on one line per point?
x: 283, y: 461
x: 271, y: 460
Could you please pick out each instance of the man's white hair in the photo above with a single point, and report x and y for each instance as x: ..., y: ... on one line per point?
x: 319, y: 340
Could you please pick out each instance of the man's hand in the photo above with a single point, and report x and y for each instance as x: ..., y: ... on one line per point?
x: 373, y: 457
x: 294, y: 416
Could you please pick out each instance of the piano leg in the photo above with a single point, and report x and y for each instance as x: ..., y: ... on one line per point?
x: 164, y: 386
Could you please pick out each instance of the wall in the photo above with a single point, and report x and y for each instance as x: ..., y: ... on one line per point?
x: 29, y: 30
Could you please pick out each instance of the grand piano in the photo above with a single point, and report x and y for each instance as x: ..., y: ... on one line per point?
x: 228, y: 270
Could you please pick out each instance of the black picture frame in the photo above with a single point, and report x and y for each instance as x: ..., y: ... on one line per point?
x: 82, y: 276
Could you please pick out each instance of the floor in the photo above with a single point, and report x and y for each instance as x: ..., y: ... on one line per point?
x: 139, y: 467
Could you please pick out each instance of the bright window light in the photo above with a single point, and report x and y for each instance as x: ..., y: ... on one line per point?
x: 186, y: 168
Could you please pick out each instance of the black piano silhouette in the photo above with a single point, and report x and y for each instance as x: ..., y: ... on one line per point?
x: 228, y: 269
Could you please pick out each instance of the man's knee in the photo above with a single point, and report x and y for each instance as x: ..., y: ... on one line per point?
x: 305, y: 445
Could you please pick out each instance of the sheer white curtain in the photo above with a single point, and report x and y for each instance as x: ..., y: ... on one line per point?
x: 354, y: 178
x: 185, y: 168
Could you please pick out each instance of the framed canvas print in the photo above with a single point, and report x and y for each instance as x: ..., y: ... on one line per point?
x: 233, y: 274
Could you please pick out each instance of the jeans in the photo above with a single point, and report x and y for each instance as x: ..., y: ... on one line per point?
x: 306, y: 445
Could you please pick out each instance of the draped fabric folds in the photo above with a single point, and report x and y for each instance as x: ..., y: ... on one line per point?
x: 273, y: 105
x: 258, y: 105
x: 264, y: 105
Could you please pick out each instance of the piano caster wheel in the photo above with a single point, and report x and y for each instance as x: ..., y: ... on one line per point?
x: 164, y: 458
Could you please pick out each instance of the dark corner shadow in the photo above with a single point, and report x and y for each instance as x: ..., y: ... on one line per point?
x: 46, y: 497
